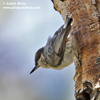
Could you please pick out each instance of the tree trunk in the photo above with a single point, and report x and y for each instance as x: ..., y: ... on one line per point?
x: 86, y: 16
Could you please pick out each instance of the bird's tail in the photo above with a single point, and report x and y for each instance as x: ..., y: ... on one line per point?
x: 68, y: 21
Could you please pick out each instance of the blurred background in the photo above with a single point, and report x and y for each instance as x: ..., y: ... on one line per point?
x: 22, y: 33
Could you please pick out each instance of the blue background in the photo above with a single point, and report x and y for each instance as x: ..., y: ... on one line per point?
x: 22, y: 33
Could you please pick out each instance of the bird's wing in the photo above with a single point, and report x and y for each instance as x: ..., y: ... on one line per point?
x: 54, y: 49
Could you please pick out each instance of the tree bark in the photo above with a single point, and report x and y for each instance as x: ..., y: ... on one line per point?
x: 86, y: 21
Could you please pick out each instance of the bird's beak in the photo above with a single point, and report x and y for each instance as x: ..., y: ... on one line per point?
x: 36, y: 67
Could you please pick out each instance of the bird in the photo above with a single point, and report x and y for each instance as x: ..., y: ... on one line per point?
x: 58, y: 51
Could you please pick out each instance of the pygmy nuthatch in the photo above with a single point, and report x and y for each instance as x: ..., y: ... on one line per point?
x: 58, y: 52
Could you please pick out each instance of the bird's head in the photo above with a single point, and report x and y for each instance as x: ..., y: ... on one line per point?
x: 37, y: 59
